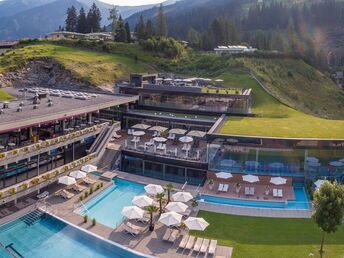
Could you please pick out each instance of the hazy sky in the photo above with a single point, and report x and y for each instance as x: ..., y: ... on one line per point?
x: 132, y: 2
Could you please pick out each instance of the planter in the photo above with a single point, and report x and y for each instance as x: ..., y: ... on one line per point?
x: 151, y: 228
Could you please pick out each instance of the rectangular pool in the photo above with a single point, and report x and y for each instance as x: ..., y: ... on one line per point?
x: 301, y: 201
x: 50, y: 237
x: 107, y: 206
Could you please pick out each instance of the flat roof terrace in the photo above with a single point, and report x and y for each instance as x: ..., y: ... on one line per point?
x: 64, y: 105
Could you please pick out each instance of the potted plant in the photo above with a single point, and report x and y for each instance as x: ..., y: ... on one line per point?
x: 237, y: 187
x: 160, y: 199
x: 169, y: 189
x: 24, y: 186
x: 34, y: 181
x: 194, y: 204
x: 12, y: 191
x: 211, y: 184
x: 151, y: 209
x: 94, y: 222
x: 85, y: 218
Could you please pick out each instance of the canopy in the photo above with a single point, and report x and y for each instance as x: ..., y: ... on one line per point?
x: 278, y: 180
x: 176, y: 206
x: 158, y: 129
x: 170, y: 218
x: 78, y: 174
x: 67, y: 180
x: 154, y: 189
x: 336, y: 164
x: 132, y: 212
x: 250, y: 178
x: 182, y: 197
x: 139, y: 133
x: 186, y: 139
x: 177, y: 131
x: 194, y: 223
x: 276, y: 165
x: 223, y: 175
x: 142, y: 201
x: 89, y: 168
x: 141, y: 126
x: 319, y: 182
x: 198, y: 134
x: 160, y: 139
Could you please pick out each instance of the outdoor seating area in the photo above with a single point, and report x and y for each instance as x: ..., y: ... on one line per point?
x: 249, y: 186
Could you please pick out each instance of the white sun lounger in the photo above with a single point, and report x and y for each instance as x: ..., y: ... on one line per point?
x: 198, y: 244
x: 167, y: 234
x: 225, y: 188
x: 174, y: 235
x: 274, y: 192
x: 252, y: 191
x: 43, y: 195
x: 280, y: 193
x: 204, y: 246
x: 131, y: 231
x: 190, y: 243
x: 184, y: 241
x: 212, y: 247
x: 220, y: 189
x: 247, y: 191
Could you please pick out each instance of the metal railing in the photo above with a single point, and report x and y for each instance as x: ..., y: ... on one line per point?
x: 3, y: 247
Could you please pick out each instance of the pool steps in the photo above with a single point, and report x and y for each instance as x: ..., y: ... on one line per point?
x: 32, y: 217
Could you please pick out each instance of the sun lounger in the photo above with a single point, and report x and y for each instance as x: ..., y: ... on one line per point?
x: 143, y: 220
x: 225, y: 188
x: 171, y: 136
x: 198, y: 244
x: 78, y: 188
x: 247, y: 191
x: 184, y: 241
x: 135, y: 227
x: 204, y: 246
x: 186, y: 213
x: 64, y: 194
x: 89, y: 181
x: 190, y: 243
x: 174, y: 235
x: 274, y: 192
x: 280, y: 193
x: 167, y: 234
x: 252, y: 191
x: 212, y: 247
x: 131, y: 231
x: 43, y: 195
x: 220, y: 189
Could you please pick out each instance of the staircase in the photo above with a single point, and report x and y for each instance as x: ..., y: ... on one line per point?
x: 32, y: 217
x: 107, y: 160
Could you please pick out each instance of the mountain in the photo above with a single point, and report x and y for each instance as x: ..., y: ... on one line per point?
x: 12, y: 7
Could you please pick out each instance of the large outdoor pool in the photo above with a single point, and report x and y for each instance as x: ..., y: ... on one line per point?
x: 107, y: 206
x: 301, y: 201
x: 50, y: 237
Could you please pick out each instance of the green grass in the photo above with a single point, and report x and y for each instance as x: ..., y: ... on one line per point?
x: 4, y: 95
x: 274, y: 118
x: 253, y: 237
x: 100, y: 69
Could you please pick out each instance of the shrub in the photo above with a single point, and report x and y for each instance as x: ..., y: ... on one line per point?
x: 35, y: 181
x: 86, y: 194
x: 45, y: 177
x: 24, y: 186
x: 101, y: 184
x: 12, y: 191
x: 1, y: 194
x: 162, y: 46
x: 94, y: 222
x: 85, y: 218
x: 91, y: 190
x: 81, y: 198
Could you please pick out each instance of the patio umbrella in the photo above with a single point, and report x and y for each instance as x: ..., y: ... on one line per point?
x: 276, y: 165
x: 142, y: 201
x: 78, y: 174
x: 278, y: 180
x: 228, y: 162
x: 139, y: 133
x: 250, y: 178
x: 185, y: 139
x: 170, y: 218
x: 158, y: 129
x: 336, y: 163
x: 182, y: 197
x: 132, y: 212
x: 312, y: 159
x: 198, y: 134
x: 176, y: 206
x: 159, y: 139
x: 141, y: 126
x: 177, y: 131
x: 223, y: 175
x: 319, y: 182
x: 194, y: 223
x: 154, y: 189
x: 67, y: 180
x: 89, y: 168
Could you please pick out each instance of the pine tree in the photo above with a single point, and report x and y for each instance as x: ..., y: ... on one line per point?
x: 161, y: 27
x: 121, y: 34
x: 94, y: 18
x: 71, y: 20
x: 127, y: 30
x: 140, y: 29
x: 82, y: 21
x: 113, y: 18
x: 149, y: 31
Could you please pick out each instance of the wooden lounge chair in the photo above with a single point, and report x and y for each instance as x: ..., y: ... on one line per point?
x: 167, y: 234
x: 135, y: 227
x: 131, y: 231
x: 174, y: 235
x: 89, y: 181
x: 190, y: 243
x: 184, y: 241
x: 204, y: 246
x: 64, y: 194
x: 43, y: 195
x: 198, y: 244
x: 212, y: 247
x: 78, y: 188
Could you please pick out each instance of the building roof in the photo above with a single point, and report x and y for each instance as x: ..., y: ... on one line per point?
x: 63, y: 107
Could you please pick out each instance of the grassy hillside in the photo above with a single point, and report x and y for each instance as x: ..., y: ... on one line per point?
x: 4, y: 95
x: 96, y: 68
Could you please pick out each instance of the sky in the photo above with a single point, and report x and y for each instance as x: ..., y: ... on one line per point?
x: 132, y: 2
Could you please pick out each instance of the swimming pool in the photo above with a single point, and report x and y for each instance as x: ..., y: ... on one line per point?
x: 301, y: 201
x: 107, y: 206
x: 50, y: 237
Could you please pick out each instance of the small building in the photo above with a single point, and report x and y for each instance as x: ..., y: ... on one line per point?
x: 101, y: 36
x: 223, y: 50
x: 7, y: 44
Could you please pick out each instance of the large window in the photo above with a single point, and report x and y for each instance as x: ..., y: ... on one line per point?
x: 175, y: 174
x: 132, y: 165
x: 152, y: 169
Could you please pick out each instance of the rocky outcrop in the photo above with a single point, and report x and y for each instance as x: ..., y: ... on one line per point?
x: 44, y: 73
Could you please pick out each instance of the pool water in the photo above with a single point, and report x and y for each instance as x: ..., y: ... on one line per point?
x: 107, y: 206
x: 50, y: 237
x: 301, y: 201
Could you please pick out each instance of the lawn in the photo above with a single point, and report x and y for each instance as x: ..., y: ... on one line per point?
x: 274, y: 118
x: 4, y: 95
x: 97, y: 68
x: 253, y: 237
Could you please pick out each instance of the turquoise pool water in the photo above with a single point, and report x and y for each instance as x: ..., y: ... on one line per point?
x: 50, y: 237
x: 301, y: 201
x: 107, y: 206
